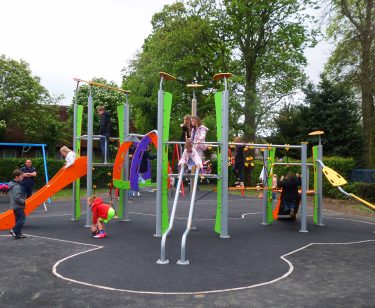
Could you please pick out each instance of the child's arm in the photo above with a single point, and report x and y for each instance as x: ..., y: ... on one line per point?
x: 184, y: 158
x: 70, y: 158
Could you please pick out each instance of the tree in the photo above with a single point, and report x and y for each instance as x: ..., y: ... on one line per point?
x: 261, y: 42
x: 330, y: 107
x: 352, y: 26
x: 27, y: 111
x: 110, y: 99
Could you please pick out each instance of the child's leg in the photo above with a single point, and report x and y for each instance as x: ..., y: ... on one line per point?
x: 100, y: 225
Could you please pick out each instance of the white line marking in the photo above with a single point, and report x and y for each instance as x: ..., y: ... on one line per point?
x: 57, y: 215
x: 64, y: 241
x: 283, y: 257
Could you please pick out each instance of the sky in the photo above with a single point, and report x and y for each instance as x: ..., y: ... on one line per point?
x: 88, y: 38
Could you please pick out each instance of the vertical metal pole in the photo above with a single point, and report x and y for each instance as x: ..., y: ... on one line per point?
x: 159, y: 161
x: 125, y: 198
x: 265, y: 185
x: 45, y: 166
x: 308, y: 178
x: 224, y: 208
x: 303, y: 187
x: 194, y: 105
x: 106, y: 149
x: 89, y: 154
x: 320, y: 185
x: 75, y: 110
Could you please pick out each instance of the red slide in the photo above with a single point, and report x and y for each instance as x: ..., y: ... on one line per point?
x: 62, y: 179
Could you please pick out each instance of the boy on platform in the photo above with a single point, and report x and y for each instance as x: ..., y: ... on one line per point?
x: 101, y: 213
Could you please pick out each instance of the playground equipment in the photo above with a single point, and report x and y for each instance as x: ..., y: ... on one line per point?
x: 62, y: 179
x: 123, y: 116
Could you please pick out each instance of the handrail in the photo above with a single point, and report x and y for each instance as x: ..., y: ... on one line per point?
x: 162, y: 259
x: 183, y: 260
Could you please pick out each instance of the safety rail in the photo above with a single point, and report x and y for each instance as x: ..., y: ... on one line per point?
x: 162, y: 259
x: 183, y: 260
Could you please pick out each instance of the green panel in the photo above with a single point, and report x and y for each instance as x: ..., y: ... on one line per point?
x: 271, y: 160
x: 218, y: 103
x: 120, y: 116
x: 147, y: 183
x: 77, y: 197
x: 121, y: 184
x: 316, y: 197
x: 164, y: 187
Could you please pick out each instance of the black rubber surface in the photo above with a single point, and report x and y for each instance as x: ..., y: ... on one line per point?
x: 250, y: 256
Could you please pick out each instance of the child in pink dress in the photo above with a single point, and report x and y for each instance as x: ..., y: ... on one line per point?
x: 190, y: 156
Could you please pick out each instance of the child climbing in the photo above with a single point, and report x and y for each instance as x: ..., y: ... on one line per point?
x: 290, y: 192
x: 190, y: 156
x: 69, y: 155
x: 239, y: 162
x: 101, y: 213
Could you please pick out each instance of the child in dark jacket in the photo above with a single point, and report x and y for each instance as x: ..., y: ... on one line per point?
x: 239, y: 163
x: 17, y: 203
x: 101, y: 213
x: 290, y: 192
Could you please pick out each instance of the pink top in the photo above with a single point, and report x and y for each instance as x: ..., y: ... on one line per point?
x: 200, y: 136
x: 193, y: 156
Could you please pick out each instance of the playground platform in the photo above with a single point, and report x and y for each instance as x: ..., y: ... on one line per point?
x: 60, y: 264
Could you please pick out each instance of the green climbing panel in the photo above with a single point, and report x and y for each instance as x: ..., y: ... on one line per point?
x: 270, y: 162
x: 315, y: 151
x: 219, y: 123
x: 164, y: 187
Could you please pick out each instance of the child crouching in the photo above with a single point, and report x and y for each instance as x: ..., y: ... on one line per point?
x: 101, y: 213
x: 190, y: 156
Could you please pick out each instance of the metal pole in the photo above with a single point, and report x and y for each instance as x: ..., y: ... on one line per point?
x: 303, y: 188
x: 159, y: 161
x: 194, y: 105
x: 265, y: 185
x: 183, y: 260
x: 75, y: 110
x: 45, y: 167
x: 225, y: 112
x: 320, y: 185
x: 125, y: 198
x: 89, y: 154
x: 162, y: 259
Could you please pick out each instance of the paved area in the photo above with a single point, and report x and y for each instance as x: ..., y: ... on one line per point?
x: 60, y: 264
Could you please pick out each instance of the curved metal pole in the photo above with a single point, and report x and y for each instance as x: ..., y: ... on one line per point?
x: 162, y: 259
x: 183, y: 260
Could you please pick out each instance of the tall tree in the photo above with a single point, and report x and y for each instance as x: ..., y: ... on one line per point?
x: 261, y: 42
x: 27, y: 111
x: 352, y: 26
x: 330, y: 107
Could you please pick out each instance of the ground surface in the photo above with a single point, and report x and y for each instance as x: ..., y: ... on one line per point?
x: 60, y: 265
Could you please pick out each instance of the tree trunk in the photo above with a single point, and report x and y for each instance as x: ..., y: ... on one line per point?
x: 250, y: 104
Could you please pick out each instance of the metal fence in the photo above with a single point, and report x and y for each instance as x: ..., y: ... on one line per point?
x: 362, y: 175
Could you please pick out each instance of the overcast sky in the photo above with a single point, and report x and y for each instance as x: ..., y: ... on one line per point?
x: 87, y: 38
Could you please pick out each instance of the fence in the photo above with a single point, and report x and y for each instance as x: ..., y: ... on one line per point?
x: 362, y: 175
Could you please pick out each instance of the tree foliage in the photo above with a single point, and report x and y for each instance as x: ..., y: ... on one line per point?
x: 261, y: 42
x: 330, y: 107
x: 27, y: 111
x: 352, y: 26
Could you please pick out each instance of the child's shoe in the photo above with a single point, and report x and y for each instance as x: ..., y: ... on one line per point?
x: 12, y: 233
x: 100, y: 235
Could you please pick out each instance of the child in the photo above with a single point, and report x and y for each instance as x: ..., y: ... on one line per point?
x: 69, y: 155
x: 290, y: 192
x: 190, y: 156
x: 198, y: 135
x: 239, y: 162
x: 101, y: 214
x: 185, y: 128
x: 17, y: 203
x: 274, y: 186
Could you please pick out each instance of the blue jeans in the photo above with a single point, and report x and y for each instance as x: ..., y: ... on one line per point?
x: 19, y: 214
x: 27, y: 191
x: 102, y: 146
x: 289, y: 204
